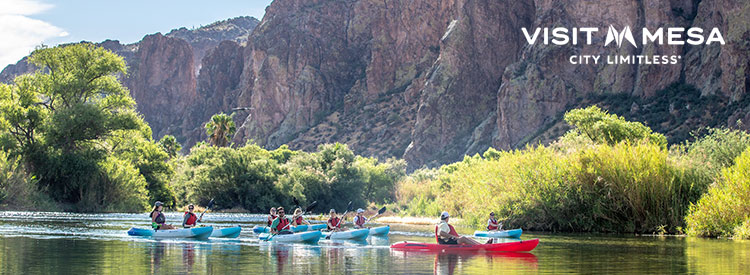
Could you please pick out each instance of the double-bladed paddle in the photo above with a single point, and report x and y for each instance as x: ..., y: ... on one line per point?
x: 208, y: 206
x: 348, y: 208
x: 381, y: 211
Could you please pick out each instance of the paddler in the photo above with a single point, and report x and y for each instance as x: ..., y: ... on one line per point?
x: 271, y: 216
x: 190, y: 219
x: 158, y: 221
x: 279, y: 225
x: 493, y: 224
x: 446, y: 234
x: 297, y: 219
x: 359, y: 219
x: 334, y: 222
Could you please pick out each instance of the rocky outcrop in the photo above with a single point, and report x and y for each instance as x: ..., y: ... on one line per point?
x: 429, y: 81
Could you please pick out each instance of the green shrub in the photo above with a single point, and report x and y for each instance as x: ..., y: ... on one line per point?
x: 725, y: 207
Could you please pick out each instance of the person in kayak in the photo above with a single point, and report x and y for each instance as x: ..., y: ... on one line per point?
x: 158, y: 221
x: 279, y: 225
x: 334, y: 222
x: 493, y: 224
x: 297, y: 219
x: 359, y: 219
x: 271, y: 215
x: 446, y: 234
x: 190, y: 219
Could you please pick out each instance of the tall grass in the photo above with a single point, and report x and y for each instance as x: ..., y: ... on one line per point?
x: 18, y: 190
x: 625, y: 187
x: 725, y: 210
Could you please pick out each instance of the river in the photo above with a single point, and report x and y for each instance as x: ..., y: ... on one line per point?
x: 44, y: 242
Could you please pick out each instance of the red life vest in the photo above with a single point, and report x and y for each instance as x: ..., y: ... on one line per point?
x: 334, y: 222
x: 360, y: 221
x: 282, y: 223
x: 271, y: 218
x: 437, y: 230
x: 299, y: 220
x: 191, y: 220
x: 491, y: 227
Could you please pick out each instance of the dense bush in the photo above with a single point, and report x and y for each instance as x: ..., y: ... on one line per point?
x: 724, y: 210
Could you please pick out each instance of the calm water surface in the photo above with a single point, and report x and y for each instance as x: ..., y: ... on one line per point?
x: 35, y: 242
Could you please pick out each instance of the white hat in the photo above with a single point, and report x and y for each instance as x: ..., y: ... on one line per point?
x: 444, y: 215
x: 360, y: 210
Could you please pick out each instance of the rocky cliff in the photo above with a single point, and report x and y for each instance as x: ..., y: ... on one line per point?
x: 431, y: 81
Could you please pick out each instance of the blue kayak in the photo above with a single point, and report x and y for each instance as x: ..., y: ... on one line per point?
x: 513, y: 233
x: 300, y: 228
x: 231, y: 232
x: 300, y: 237
x: 200, y: 233
x: 380, y: 231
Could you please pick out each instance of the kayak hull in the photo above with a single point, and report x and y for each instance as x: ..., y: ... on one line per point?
x: 200, y: 233
x: 380, y: 231
x: 512, y: 233
x: 521, y: 246
x: 301, y: 228
x: 300, y: 237
x: 355, y: 234
x: 231, y: 232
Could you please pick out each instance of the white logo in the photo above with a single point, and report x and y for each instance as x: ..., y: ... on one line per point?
x: 614, y: 36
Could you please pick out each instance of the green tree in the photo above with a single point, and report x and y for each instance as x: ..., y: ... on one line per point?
x: 220, y: 130
x: 170, y: 145
x: 59, y: 120
x: 602, y: 127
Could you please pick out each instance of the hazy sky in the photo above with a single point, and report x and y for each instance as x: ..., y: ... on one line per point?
x: 24, y: 24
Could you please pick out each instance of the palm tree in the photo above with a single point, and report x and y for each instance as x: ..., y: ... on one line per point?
x: 170, y: 145
x: 219, y: 130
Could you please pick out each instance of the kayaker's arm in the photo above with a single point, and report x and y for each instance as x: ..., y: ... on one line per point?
x: 184, y: 220
x: 274, y: 224
x: 446, y: 235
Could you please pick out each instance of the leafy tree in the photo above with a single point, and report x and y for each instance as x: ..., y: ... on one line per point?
x: 602, y: 127
x: 220, y: 130
x: 170, y: 145
x: 59, y: 120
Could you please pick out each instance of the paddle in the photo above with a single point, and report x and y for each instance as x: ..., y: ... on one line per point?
x: 381, y: 211
x: 210, y: 204
x: 348, y: 208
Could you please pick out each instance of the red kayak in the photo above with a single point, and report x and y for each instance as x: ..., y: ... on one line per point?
x: 521, y: 246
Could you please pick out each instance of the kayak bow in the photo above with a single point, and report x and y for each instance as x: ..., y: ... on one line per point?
x: 231, y: 232
x: 354, y: 234
x: 380, y: 231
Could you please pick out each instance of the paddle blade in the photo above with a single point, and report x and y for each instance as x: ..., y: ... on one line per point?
x: 311, y: 206
x: 210, y: 204
x: 381, y: 211
x: 296, y: 202
x: 349, y: 206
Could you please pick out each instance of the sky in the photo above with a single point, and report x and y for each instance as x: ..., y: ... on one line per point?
x: 25, y: 24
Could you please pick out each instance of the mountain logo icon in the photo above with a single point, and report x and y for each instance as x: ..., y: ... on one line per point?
x: 616, y: 36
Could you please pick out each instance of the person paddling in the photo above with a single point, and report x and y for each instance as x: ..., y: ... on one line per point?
x: 158, y: 221
x: 190, y: 219
x: 493, y: 224
x: 334, y: 222
x: 359, y: 219
x: 271, y: 215
x: 297, y: 219
x: 446, y: 234
x: 279, y: 225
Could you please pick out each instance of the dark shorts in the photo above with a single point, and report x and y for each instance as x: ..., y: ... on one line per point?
x: 452, y: 241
